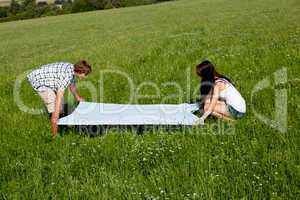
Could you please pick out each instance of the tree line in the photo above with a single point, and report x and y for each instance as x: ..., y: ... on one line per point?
x: 27, y: 9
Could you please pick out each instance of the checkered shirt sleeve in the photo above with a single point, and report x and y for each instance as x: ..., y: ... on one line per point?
x: 54, y: 76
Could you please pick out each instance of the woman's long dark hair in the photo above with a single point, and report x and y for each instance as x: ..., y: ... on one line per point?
x: 207, y: 72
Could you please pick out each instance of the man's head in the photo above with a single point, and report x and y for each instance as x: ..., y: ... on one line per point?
x: 82, y: 69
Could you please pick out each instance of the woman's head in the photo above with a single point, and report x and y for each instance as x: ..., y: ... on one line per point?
x: 205, y: 70
x: 208, y: 74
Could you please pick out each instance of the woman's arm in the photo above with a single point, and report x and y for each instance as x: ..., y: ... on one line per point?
x: 213, y: 102
x: 212, y: 105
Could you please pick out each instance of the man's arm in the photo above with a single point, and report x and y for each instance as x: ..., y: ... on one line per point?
x: 55, y: 114
x: 73, y: 89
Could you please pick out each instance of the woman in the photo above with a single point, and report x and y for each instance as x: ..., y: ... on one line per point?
x: 219, y: 96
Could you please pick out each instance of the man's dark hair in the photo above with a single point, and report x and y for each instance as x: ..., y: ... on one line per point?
x: 82, y: 67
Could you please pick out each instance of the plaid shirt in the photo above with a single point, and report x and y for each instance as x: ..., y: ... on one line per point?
x: 54, y: 76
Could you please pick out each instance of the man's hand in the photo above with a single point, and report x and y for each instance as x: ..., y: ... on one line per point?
x: 73, y: 89
x: 79, y: 98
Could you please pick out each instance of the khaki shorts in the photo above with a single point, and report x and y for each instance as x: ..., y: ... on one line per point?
x: 49, y: 96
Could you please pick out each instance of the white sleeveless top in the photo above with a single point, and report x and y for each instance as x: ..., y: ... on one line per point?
x: 232, y: 96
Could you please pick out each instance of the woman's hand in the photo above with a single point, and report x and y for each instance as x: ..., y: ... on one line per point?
x: 199, y: 122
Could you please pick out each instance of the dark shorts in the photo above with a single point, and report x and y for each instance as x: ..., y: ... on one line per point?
x: 234, y: 113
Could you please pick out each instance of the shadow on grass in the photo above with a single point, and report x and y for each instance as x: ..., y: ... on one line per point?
x: 100, y: 130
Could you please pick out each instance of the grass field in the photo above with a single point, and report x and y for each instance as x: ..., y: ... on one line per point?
x: 247, y: 40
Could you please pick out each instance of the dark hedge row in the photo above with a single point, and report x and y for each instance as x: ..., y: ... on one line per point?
x: 28, y: 9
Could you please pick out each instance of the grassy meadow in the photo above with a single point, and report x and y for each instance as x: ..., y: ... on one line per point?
x: 158, y: 44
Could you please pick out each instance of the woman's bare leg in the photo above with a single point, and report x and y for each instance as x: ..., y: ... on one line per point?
x: 219, y: 111
x: 220, y: 116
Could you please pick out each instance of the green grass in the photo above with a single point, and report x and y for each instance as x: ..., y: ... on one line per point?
x: 247, y: 40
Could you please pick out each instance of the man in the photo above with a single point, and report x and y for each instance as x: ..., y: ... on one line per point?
x: 50, y: 82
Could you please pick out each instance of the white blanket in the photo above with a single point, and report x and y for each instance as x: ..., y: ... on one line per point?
x: 88, y: 113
